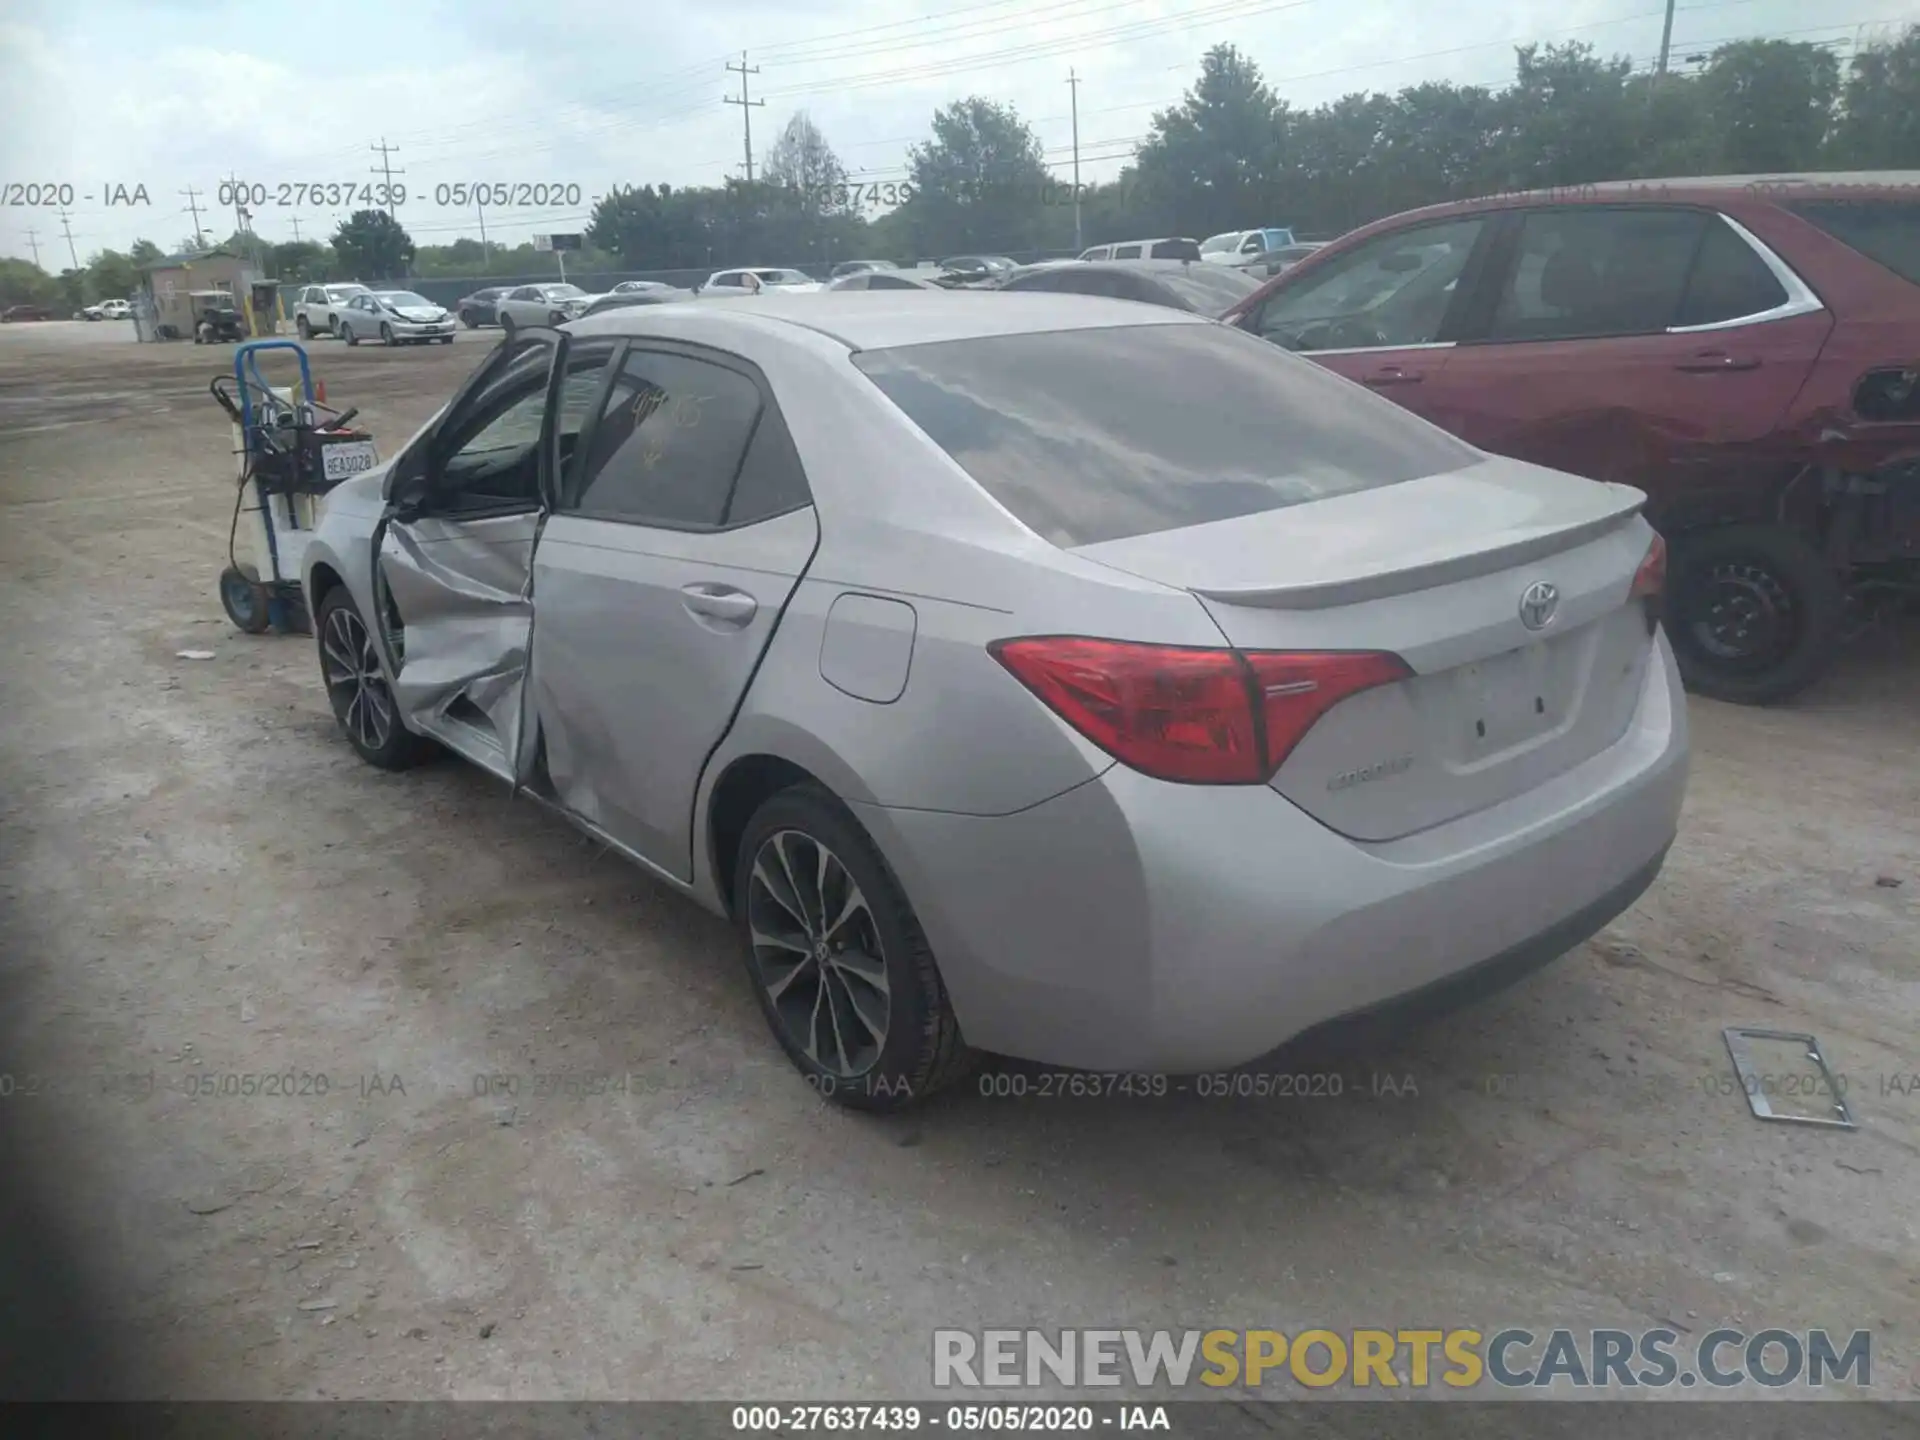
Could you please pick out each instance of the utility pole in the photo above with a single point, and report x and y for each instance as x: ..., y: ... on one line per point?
x: 1666, y: 39
x: 385, y: 169
x: 1073, y: 84
x: 193, y: 207
x: 746, y: 106
x: 33, y: 239
x: 296, y: 229
x: 486, y: 256
x: 67, y: 230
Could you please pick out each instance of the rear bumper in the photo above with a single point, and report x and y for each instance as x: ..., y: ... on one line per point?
x: 1129, y: 924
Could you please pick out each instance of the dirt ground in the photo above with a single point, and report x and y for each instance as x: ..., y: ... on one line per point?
x: 201, y: 880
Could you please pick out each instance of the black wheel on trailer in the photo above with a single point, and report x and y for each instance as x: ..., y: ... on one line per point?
x: 245, y: 599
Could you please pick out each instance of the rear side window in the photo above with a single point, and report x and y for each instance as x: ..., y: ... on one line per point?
x: 1884, y: 230
x: 669, y: 442
x: 1099, y: 434
x: 1175, y: 250
x: 1591, y: 272
x: 1729, y: 281
x: 1126, y: 252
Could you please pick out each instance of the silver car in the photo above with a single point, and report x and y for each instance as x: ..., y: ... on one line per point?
x: 553, y: 304
x: 1061, y: 677
x: 394, y: 317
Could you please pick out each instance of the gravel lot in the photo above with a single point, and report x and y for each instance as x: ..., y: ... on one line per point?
x: 200, y: 879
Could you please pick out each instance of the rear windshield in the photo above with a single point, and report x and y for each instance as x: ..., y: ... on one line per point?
x: 1883, y: 230
x: 1210, y: 289
x: 1101, y: 434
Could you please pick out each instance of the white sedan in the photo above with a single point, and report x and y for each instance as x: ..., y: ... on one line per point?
x: 395, y: 317
x: 771, y: 277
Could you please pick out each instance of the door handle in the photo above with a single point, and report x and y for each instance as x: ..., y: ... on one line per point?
x: 1713, y: 361
x: 719, y: 602
x: 1394, y: 375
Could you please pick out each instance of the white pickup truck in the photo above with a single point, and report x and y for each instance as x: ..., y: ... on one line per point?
x: 317, y: 311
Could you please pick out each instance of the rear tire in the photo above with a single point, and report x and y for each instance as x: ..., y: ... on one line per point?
x: 828, y: 947
x: 1754, y: 613
x: 363, y: 703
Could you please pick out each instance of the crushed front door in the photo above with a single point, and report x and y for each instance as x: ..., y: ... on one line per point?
x: 453, y: 561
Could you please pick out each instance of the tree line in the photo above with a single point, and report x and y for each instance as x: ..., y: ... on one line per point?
x: 1232, y: 154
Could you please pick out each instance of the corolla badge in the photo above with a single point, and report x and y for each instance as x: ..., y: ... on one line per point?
x: 1538, y: 603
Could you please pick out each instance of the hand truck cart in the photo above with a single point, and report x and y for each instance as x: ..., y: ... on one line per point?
x: 293, y: 449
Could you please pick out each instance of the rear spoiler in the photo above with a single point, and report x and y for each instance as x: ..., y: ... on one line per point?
x: 1322, y: 594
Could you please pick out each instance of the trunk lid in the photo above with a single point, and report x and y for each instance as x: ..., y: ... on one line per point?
x: 1433, y: 570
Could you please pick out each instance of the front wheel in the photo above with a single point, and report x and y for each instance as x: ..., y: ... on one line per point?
x: 843, y: 972
x: 357, y: 688
x: 1755, y: 612
x: 305, y: 329
x: 386, y: 334
x: 469, y: 319
x: 446, y: 339
x: 346, y: 334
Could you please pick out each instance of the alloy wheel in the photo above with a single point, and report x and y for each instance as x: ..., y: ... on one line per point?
x: 817, y: 953
x: 355, y: 683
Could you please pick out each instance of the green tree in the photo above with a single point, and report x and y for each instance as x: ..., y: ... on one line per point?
x: 299, y: 261
x: 24, y: 283
x: 980, y: 182
x: 145, y: 252
x: 1213, y: 158
x: 802, y: 161
x: 1879, y: 124
x: 372, y: 246
x: 1566, y: 119
x: 1770, y: 104
x: 111, y: 276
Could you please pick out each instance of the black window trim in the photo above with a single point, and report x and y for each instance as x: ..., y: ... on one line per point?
x: 726, y: 360
x: 1476, y: 324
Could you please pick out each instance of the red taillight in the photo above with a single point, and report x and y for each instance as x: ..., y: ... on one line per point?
x: 1200, y: 716
x: 1650, y: 583
x: 1650, y: 580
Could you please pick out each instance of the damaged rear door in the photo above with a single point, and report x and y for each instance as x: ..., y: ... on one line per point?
x: 453, y: 554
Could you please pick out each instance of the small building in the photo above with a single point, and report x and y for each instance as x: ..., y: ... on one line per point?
x: 170, y: 279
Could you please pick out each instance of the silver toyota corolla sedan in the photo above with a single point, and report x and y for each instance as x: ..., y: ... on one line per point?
x: 1060, y: 677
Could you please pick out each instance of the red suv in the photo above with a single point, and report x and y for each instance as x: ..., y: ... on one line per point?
x: 1744, y: 350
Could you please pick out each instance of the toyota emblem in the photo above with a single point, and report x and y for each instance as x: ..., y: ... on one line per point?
x: 1538, y: 603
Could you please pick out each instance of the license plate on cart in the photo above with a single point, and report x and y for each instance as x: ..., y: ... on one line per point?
x: 347, y: 459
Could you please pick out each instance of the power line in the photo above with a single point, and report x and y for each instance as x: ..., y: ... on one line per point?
x: 1073, y: 86
x: 385, y: 169
x: 193, y: 208
x: 747, y: 107
x: 67, y: 229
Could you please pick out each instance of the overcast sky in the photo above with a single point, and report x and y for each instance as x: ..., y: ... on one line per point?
x: 103, y: 93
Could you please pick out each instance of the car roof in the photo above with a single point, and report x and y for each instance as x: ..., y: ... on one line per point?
x: 883, y: 319
x: 1716, y: 190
